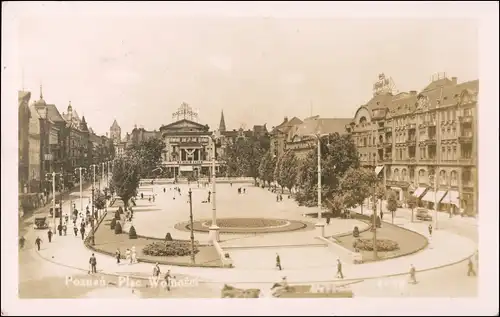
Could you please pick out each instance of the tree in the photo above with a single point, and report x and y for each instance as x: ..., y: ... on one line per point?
x: 266, y: 167
x: 243, y: 157
x: 338, y: 154
x: 392, y: 203
x: 100, y: 201
x: 288, y: 170
x: 126, y: 177
x: 149, y: 154
x: 412, y: 203
x: 356, y: 185
x: 380, y: 193
x: 276, y: 172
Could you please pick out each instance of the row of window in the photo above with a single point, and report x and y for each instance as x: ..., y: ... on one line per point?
x: 444, y: 178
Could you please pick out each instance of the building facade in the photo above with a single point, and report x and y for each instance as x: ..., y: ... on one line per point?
x: 280, y: 134
x: 188, y: 145
x: 23, y: 140
x: 423, y: 143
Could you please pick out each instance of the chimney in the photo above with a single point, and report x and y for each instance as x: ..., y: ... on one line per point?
x: 454, y: 80
x: 285, y: 119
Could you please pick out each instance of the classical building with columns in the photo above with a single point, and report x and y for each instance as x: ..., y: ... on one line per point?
x: 407, y: 137
x: 188, y: 145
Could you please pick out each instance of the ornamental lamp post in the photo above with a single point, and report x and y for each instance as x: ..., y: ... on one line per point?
x: 320, y: 226
x: 214, y: 229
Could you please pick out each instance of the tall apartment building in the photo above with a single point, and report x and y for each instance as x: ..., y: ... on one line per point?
x: 409, y: 137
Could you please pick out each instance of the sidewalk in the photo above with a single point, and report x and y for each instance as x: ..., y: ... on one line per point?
x: 446, y: 249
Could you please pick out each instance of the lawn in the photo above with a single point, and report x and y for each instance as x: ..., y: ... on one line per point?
x: 409, y: 241
x: 107, y: 242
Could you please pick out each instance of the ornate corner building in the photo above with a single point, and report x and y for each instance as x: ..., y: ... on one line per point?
x: 411, y: 137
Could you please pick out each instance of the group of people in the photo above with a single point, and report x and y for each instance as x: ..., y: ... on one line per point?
x: 167, y: 277
x: 130, y: 255
x: 242, y: 190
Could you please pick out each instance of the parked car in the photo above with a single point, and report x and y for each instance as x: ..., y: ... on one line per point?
x: 423, y: 214
x: 40, y: 223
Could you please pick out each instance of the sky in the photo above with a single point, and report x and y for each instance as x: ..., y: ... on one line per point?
x: 138, y: 69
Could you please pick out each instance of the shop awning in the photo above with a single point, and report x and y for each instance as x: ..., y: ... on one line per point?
x: 378, y: 169
x: 451, y: 198
x: 419, y: 192
x: 432, y: 196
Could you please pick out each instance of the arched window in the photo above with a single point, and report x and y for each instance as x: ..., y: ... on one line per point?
x: 442, y: 177
x: 454, y: 178
x: 396, y: 174
x: 422, y: 178
x: 403, y: 174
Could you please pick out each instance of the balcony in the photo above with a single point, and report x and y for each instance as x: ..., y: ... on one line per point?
x: 388, y: 129
x: 465, y: 119
x: 429, y: 141
x: 466, y: 161
x: 465, y: 137
x: 429, y: 123
x: 410, y: 126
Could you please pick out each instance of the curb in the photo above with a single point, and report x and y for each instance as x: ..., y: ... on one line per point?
x: 266, y: 282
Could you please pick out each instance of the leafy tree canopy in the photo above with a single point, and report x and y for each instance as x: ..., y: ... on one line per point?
x: 288, y: 170
x: 266, y: 167
x: 149, y: 154
x: 126, y: 177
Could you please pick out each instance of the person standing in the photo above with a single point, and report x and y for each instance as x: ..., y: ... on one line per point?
x: 118, y: 256
x: 38, y: 241
x: 339, y: 269
x: 413, y: 278
x: 133, y: 255
x: 93, y: 264
x: 82, y: 232
x: 128, y: 256
x: 470, y: 268
x: 328, y: 219
x: 21, y: 242
x: 49, y: 235
x: 430, y: 230
x: 156, y: 271
x: 75, y: 230
x: 278, y: 262
x: 65, y: 229
x: 167, y: 280
x: 381, y: 215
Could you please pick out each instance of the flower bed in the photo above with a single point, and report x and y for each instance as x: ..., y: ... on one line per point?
x: 170, y: 248
x: 383, y: 245
x: 248, y: 223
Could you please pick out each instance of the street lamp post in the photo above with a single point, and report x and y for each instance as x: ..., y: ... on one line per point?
x: 79, y: 169
x: 193, y: 261
x: 433, y: 181
x: 213, y: 229
x: 320, y: 226
x: 93, y: 166
x: 53, y: 174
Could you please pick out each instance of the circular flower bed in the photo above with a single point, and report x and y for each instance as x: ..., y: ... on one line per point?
x: 170, y: 248
x: 248, y: 223
x: 383, y: 245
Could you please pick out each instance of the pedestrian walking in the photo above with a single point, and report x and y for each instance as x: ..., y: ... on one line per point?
x: 38, y: 241
x: 153, y: 198
x: 156, y: 271
x: 470, y: 268
x: 430, y: 230
x: 21, y: 242
x: 66, y: 218
x: 244, y: 190
x: 327, y: 220
x: 49, y: 235
x: 65, y: 229
x: 339, y: 269
x: 142, y: 195
x: 277, y: 198
x: 59, y: 228
x: 167, y: 280
x: 133, y: 255
x: 164, y: 190
x: 149, y: 199
x: 381, y: 215
x: 82, y: 232
x: 231, y: 184
x: 278, y: 262
x: 413, y: 278
x: 75, y: 230
x: 93, y: 264
x: 281, y: 197
x: 128, y: 255
x: 118, y: 256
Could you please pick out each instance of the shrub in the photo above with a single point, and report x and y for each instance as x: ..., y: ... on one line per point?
x: 117, y: 215
x: 170, y: 248
x: 131, y: 233
x: 383, y: 245
x: 355, y: 232
x: 118, y: 228
x: 120, y: 210
x: 112, y: 225
x: 168, y: 237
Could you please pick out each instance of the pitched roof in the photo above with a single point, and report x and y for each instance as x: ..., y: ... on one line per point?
x: 322, y: 125
x: 52, y: 113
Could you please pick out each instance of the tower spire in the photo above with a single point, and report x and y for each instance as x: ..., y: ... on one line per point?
x: 222, y: 123
x: 41, y: 92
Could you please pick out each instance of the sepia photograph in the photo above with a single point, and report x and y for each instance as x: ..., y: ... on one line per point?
x: 174, y: 150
